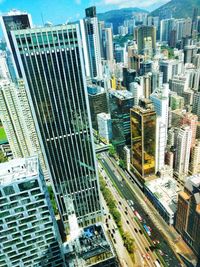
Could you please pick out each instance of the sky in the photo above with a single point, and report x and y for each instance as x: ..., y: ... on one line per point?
x: 60, y: 11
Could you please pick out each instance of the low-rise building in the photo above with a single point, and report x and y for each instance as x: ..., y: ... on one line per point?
x: 163, y: 193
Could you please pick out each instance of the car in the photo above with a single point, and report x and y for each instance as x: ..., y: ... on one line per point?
x: 114, y: 241
x: 147, y: 256
x: 108, y: 216
x: 120, y: 203
x: 143, y: 256
x: 113, y: 230
x: 107, y: 225
x: 135, y: 230
x: 127, y: 222
x: 112, y: 235
x: 140, y: 231
x: 161, y: 253
x: 126, y: 212
x: 147, y: 249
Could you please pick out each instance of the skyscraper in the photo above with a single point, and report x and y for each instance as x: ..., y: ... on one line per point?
x: 108, y: 44
x: 146, y: 39
x: 52, y: 67
x: 12, y: 21
x: 143, y: 140
x: 91, y: 43
x: 183, y: 138
x: 29, y: 232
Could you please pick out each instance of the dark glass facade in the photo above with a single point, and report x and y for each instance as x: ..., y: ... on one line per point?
x: 143, y: 141
x: 15, y: 22
x: 120, y: 104
x: 53, y: 68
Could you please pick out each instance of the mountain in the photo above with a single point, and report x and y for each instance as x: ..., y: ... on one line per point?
x: 176, y: 9
x: 117, y: 17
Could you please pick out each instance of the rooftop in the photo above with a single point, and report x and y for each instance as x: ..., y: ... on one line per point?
x: 121, y: 94
x: 166, y: 191
x: 18, y: 169
x: 90, y: 247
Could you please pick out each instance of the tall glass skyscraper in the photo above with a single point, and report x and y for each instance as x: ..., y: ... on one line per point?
x: 14, y: 20
x: 52, y: 67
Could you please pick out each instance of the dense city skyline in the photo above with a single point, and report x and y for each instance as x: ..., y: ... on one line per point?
x: 100, y: 136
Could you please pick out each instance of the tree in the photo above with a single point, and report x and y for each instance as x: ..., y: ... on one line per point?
x: 112, y: 151
x: 122, y: 163
x: 2, y: 157
x: 52, y: 198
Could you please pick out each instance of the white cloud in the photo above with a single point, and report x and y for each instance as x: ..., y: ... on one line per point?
x: 134, y: 3
x: 78, y: 2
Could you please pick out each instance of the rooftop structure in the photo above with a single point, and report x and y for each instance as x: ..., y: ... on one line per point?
x: 121, y: 94
x: 163, y: 192
x: 90, y: 248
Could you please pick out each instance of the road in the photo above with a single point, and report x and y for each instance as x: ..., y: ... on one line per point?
x: 128, y: 194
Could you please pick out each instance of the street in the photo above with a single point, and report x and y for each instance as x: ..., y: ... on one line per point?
x: 162, y: 246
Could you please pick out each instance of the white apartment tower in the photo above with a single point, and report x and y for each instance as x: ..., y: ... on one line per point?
x: 16, y: 117
x: 91, y: 43
x: 183, y: 141
x: 29, y: 233
x: 195, y: 158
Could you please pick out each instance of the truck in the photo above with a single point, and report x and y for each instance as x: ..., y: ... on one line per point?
x: 138, y: 216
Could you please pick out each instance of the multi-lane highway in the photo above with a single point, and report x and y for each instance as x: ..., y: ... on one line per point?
x: 142, y: 243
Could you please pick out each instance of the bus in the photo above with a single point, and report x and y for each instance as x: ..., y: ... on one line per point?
x: 157, y: 264
x: 138, y: 215
x: 146, y: 228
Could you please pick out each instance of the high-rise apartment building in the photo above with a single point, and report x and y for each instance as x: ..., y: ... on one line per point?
x: 17, y: 119
x: 29, y: 232
x: 195, y: 158
x: 91, y: 43
x: 52, y: 66
x: 146, y: 39
x: 183, y: 139
x: 143, y: 141
x: 196, y: 104
x: 14, y: 20
x: 188, y: 213
x: 176, y: 101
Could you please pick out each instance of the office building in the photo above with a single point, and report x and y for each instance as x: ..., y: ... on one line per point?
x: 105, y: 126
x: 179, y: 84
x: 20, y: 129
x: 120, y: 103
x: 161, y: 140
x: 119, y: 54
x: 166, y: 27
x: 108, y: 44
x: 29, y: 231
x: 195, y: 158
x: 160, y: 99
x: 183, y: 139
x: 128, y: 77
x: 170, y: 67
x: 55, y: 79
x: 14, y: 20
x: 143, y: 140
x: 189, y: 52
x: 97, y: 101
x: 188, y: 213
x: 156, y: 80
x: 146, y: 39
x: 91, y: 43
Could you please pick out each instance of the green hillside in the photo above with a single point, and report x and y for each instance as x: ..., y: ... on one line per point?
x: 177, y: 9
x: 117, y: 17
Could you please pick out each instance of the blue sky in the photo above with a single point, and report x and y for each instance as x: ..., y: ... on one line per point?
x: 60, y: 11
